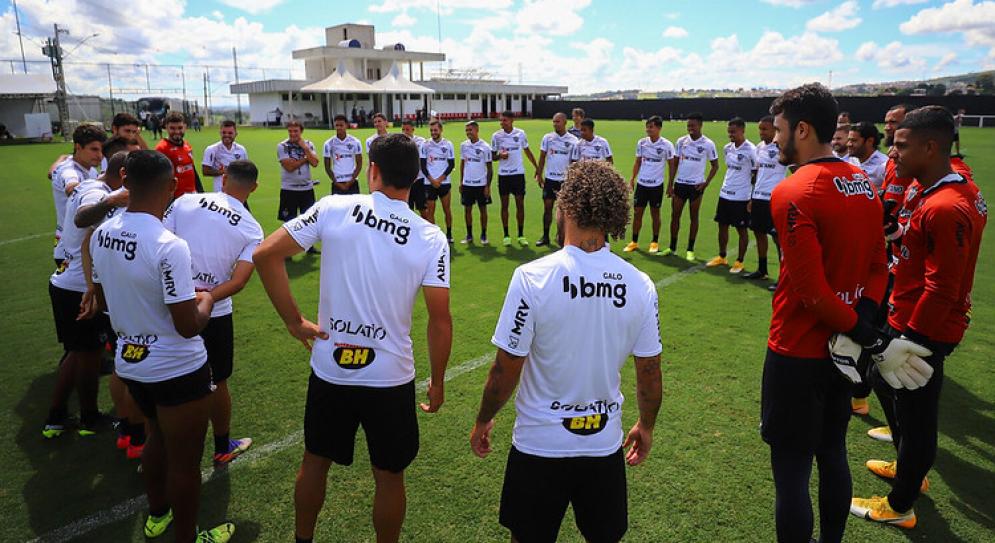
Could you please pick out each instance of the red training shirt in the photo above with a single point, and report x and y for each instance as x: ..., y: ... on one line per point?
x: 894, y: 186
x: 183, y: 165
x: 935, y: 270
x: 828, y: 218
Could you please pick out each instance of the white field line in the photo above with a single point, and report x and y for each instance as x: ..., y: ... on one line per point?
x: 24, y: 238
x: 131, y: 506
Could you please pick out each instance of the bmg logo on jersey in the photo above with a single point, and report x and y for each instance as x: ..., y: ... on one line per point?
x: 856, y: 186
x: 128, y: 247
x: 351, y: 357
x: 597, y: 289
x: 233, y: 217
x: 386, y: 226
x: 586, y: 425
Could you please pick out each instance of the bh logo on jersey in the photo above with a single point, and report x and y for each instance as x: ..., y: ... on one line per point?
x: 587, y: 424
x: 351, y: 357
x: 597, y: 289
x: 134, y: 353
x: 855, y: 187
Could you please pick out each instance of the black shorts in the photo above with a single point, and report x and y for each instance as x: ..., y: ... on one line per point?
x: 804, y: 403
x: 686, y: 192
x: 293, y: 203
x: 334, y: 412
x: 511, y: 184
x: 537, y: 491
x: 956, y: 136
x: 550, y: 189
x: 80, y: 336
x: 760, y: 218
x: 651, y: 196
x: 432, y: 193
x: 472, y: 196
x: 354, y: 189
x: 171, y: 392
x: 732, y: 213
x: 416, y: 197
x: 219, y: 341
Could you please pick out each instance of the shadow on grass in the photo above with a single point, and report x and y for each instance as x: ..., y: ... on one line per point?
x: 302, y: 264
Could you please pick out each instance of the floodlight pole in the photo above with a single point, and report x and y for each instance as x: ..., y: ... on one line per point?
x: 20, y: 39
x: 238, y: 96
x: 53, y: 50
x: 110, y: 87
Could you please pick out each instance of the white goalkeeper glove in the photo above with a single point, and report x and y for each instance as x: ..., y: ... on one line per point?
x: 901, y: 365
x: 845, y: 352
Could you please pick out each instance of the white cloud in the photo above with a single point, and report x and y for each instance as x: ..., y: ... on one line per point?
x: 402, y: 20
x: 445, y: 8
x: 551, y: 17
x: 254, y: 7
x: 947, y: 60
x: 790, y: 3
x: 671, y: 15
x: 894, y: 57
x: 843, y: 17
x: 866, y: 51
x: 880, y: 4
x: 675, y: 32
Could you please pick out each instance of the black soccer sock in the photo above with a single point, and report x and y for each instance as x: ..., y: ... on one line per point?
x: 469, y: 231
x: 483, y: 234
x: 57, y: 414
x: 89, y: 417
x: 762, y: 265
x: 722, y: 254
x: 521, y: 231
x: 673, y: 245
x: 449, y: 232
x: 656, y: 238
x: 137, y: 433
x: 635, y: 237
x: 221, y: 443
x: 690, y: 244
x: 298, y: 539
x: 506, y: 234
x: 159, y: 512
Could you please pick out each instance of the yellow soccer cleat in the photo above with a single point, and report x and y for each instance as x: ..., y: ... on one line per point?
x: 156, y: 526
x: 716, y: 262
x: 889, y: 470
x: 654, y: 248
x: 632, y: 246
x: 860, y: 406
x: 689, y: 256
x: 737, y: 267
x: 667, y: 252
x: 881, y: 433
x: 219, y: 534
x: 877, y: 509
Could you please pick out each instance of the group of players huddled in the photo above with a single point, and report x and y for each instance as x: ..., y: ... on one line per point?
x: 877, y: 260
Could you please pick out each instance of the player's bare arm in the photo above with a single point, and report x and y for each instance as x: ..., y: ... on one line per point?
x: 532, y: 158
x: 649, y: 396
x: 440, y: 343
x: 540, y: 167
x: 240, y: 276
x: 501, y: 383
x: 635, y: 171
x: 191, y: 316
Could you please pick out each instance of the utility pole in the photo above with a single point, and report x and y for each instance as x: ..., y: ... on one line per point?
x: 207, y: 115
x: 110, y: 88
x: 238, y: 96
x: 20, y: 39
x: 148, y: 80
x: 53, y: 50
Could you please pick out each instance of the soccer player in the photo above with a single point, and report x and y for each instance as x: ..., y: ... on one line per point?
x: 297, y: 157
x: 180, y: 154
x: 570, y: 321
x: 840, y: 138
x: 361, y: 358
x: 829, y: 223
x: 142, y: 276
x: 380, y: 124
x: 578, y: 115
x: 958, y: 122
x: 222, y: 265
x: 862, y: 144
x: 82, y: 340
x: 931, y: 305
x: 590, y: 146
x: 508, y: 145
x: 734, y: 196
x: 770, y: 173
x: 555, y: 153
x: 438, y: 158
x: 343, y: 159
x: 123, y: 124
x: 693, y: 151
x: 652, y: 152
x: 476, y: 173
x: 843, y: 118
x: 416, y: 198
x: 218, y: 156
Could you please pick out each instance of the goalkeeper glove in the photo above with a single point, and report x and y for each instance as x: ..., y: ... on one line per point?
x: 900, y: 364
x: 845, y: 352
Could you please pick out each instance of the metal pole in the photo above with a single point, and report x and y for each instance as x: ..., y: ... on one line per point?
x: 20, y: 39
x: 148, y: 80
x: 207, y: 116
x: 55, y: 54
x: 183, y: 79
x: 110, y: 87
x: 238, y: 96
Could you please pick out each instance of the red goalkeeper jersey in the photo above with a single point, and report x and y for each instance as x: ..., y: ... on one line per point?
x: 183, y: 165
x: 894, y: 186
x: 828, y: 218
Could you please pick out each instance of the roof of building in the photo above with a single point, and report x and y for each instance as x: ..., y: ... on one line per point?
x: 490, y: 87
x: 336, y: 52
x: 341, y: 81
x: 268, y: 86
x: 26, y: 85
x: 395, y: 82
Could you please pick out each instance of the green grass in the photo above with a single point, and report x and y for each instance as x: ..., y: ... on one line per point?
x: 707, y: 479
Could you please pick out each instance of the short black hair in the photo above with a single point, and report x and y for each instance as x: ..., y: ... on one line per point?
x: 842, y: 127
x: 588, y: 123
x: 117, y: 144
x: 243, y: 172
x: 737, y: 121
x: 577, y: 111
x: 115, y: 162
x: 147, y: 171
x: 174, y: 117
x: 655, y: 120
x: 903, y: 106
x: 472, y: 123
x: 867, y: 130
x: 86, y: 134
x: 228, y: 123
x: 847, y: 113
x: 931, y: 122
x: 397, y: 157
x: 435, y: 122
x: 696, y: 117
x: 508, y: 113
x: 378, y: 115
x: 340, y: 117
x: 407, y: 122
x: 766, y: 119
x: 125, y: 119
x: 811, y: 103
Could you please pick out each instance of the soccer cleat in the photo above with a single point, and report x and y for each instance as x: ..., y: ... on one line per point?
x: 737, y: 267
x: 134, y: 452
x: 451, y: 241
x: 506, y: 241
x: 53, y: 430
x: 522, y: 241
x: 466, y: 240
x: 860, y: 406
x: 484, y: 241
x: 758, y: 275
x: 123, y: 442
x: 654, y: 248
x: 716, y: 262
x: 881, y: 433
x: 156, y: 526
x: 772, y: 288
x: 632, y: 246
x: 667, y: 252
x: 889, y: 470
x: 219, y: 534
x: 91, y: 426
x: 235, y: 448
x: 542, y: 241
x: 877, y: 509
x: 689, y: 256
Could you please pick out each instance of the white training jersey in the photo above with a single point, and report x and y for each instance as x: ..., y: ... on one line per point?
x: 218, y: 156
x: 475, y: 157
x: 68, y: 171
x: 741, y: 162
x: 654, y: 156
x: 371, y: 139
x: 770, y: 171
x: 300, y: 178
x: 419, y: 141
x: 514, y: 143
x: 220, y: 232
x: 143, y: 269
x: 844, y: 157
x: 437, y: 155
x: 558, y: 151
x: 577, y: 316
x: 596, y: 149
x: 343, y: 153
x: 69, y: 276
x: 367, y: 313
x: 692, y: 156
x: 874, y: 167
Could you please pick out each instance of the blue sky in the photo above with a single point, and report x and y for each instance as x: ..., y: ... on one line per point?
x: 589, y: 45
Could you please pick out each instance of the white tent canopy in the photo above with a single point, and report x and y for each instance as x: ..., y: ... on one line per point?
x: 395, y: 83
x: 341, y: 81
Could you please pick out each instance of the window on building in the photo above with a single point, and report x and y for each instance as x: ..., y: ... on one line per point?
x: 285, y: 97
x: 461, y: 96
x: 362, y: 96
x: 475, y: 97
x: 448, y: 97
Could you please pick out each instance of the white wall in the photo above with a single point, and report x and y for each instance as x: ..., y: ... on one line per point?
x: 12, y: 114
x: 261, y: 104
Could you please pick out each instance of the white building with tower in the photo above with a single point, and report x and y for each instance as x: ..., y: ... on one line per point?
x: 350, y: 72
